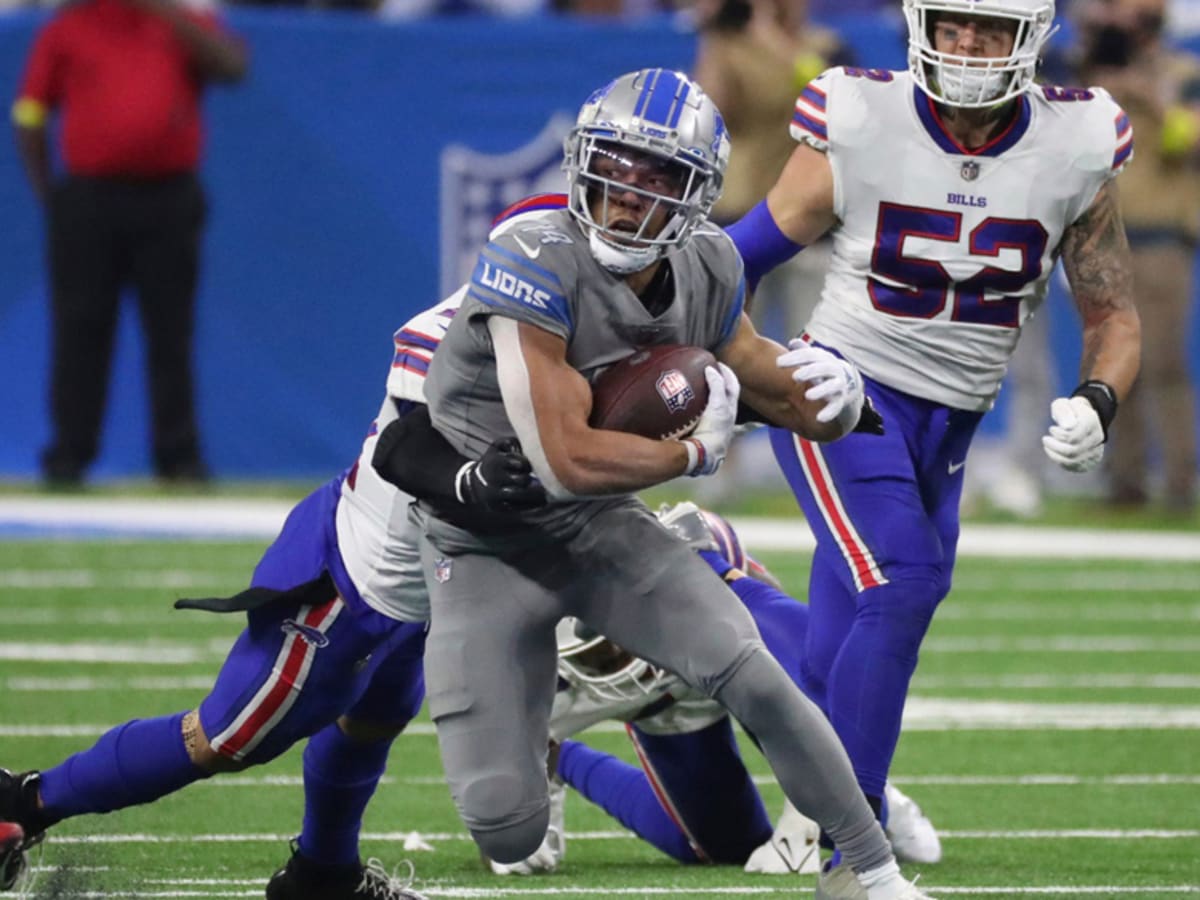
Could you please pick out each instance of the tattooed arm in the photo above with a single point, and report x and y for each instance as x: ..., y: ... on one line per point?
x: 1095, y: 255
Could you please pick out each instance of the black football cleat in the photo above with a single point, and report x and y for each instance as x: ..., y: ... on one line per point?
x: 303, y: 879
x: 12, y: 854
x: 19, y: 803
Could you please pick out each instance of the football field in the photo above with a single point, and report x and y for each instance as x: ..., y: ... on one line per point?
x: 1052, y: 733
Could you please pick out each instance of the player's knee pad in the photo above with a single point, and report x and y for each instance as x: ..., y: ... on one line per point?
x: 514, y: 840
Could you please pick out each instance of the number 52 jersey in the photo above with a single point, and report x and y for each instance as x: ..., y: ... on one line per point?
x: 941, y: 253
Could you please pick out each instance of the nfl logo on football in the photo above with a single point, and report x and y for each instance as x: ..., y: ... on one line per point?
x: 675, y: 390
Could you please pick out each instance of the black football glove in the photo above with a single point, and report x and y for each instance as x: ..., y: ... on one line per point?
x: 500, y: 481
x: 869, y: 421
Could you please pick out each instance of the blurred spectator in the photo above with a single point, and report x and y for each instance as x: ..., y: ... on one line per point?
x: 625, y: 9
x: 1121, y: 48
x: 753, y: 58
x: 415, y: 9
x: 128, y: 211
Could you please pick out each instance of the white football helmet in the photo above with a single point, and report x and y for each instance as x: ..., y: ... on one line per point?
x: 597, y: 666
x: 651, y: 113
x: 974, y: 82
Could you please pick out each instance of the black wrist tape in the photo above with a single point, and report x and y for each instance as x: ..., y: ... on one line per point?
x: 1103, y: 399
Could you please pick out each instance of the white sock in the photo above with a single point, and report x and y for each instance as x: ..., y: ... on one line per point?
x: 883, y: 882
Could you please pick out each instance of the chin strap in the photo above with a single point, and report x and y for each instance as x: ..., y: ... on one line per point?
x: 621, y: 260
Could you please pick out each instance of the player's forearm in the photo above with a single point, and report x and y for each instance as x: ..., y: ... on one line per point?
x: 598, y: 463
x: 1112, y: 351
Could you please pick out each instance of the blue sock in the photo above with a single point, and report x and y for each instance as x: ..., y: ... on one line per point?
x: 340, y: 777
x: 133, y: 763
x: 624, y: 792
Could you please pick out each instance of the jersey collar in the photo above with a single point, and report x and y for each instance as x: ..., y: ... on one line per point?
x: 932, y: 122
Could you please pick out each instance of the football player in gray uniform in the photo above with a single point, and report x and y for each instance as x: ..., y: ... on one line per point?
x: 557, y: 295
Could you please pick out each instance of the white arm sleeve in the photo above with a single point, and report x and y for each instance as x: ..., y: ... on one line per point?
x: 513, y: 377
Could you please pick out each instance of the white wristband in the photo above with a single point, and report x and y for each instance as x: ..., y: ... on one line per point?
x: 696, y: 455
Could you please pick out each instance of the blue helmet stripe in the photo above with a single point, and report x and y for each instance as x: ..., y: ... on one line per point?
x: 677, y: 111
x: 658, y: 99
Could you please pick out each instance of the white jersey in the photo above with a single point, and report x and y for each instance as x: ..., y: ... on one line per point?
x: 379, y: 546
x: 940, y: 254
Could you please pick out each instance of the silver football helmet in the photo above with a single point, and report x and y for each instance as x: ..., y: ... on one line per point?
x: 597, y: 666
x: 975, y: 82
x: 652, y: 117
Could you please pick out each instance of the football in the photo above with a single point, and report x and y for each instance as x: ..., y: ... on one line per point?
x: 657, y: 392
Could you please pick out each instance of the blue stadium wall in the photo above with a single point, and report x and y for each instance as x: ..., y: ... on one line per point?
x: 323, y: 170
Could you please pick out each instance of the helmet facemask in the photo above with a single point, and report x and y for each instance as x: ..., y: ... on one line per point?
x: 612, y: 174
x: 976, y: 82
x: 601, y: 669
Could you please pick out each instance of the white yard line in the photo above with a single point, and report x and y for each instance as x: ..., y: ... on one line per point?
x: 231, y: 518
x: 182, y: 653
x: 1099, y: 834
x: 1138, y: 780
x: 254, y: 889
x: 921, y: 714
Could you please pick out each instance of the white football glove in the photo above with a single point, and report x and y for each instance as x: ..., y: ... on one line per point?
x: 554, y: 845
x: 1076, y: 439
x: 833, y: 380
x: 709, y: 441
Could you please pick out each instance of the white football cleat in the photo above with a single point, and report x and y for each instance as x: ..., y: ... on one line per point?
x: 554, y: 845
x: 791, y: 849
x: 840, y: 883
x: 913, y: 837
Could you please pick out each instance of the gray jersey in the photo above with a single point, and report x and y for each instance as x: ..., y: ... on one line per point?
x: 537, y: 268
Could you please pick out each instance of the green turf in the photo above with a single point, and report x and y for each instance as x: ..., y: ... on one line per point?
x: 986, y: 789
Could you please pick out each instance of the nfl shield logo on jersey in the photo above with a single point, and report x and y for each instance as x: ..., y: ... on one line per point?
x: 673, y: 387
x: 969, y: 170
x: 441, y: 569
x: 477, y: 187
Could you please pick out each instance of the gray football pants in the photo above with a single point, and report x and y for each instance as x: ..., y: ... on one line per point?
x: 490, y: 663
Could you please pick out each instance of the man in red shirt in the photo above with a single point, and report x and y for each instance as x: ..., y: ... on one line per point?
x: 128, y: 210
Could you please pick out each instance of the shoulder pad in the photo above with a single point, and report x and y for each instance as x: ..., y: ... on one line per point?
x: 809, y: 122
x: 536, y: 203
x: 1096, y: 121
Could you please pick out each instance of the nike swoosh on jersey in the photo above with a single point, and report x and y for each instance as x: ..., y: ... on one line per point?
x: 954, y: 467
x: 531, y: 252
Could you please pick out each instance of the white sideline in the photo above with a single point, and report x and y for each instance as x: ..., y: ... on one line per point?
x: 221, y: 517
